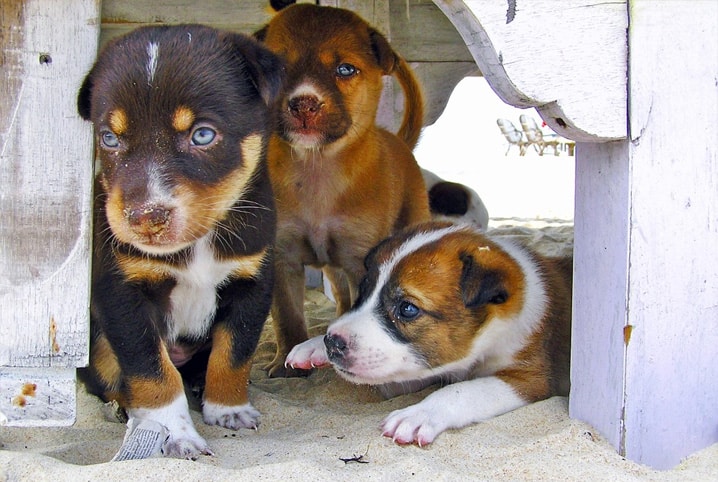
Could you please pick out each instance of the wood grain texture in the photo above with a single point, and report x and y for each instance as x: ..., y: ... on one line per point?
x: 46, y: 184
x: 646, y: 245
x: 567, y: 59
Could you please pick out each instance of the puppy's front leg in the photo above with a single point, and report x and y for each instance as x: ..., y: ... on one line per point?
x: 244, y: 304
x: 287, y: 313
x: 131, y: 363
x: 226, y: 402
x: 454, y: 406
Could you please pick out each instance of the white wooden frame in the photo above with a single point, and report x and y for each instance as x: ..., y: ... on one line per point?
x: 635, y: 83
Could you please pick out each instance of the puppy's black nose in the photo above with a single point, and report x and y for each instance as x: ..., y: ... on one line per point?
x: 304, y: 106
x: 336, y: 347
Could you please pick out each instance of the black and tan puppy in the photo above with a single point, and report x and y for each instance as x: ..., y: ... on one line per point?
x: 342, y: 183
x: 185, y: 221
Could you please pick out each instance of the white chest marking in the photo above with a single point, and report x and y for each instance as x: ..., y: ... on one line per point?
x: 193, y: 301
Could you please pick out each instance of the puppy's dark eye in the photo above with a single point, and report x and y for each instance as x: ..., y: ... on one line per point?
x: 407, y: 311
x: 203, y: 136
x: 109, y: 139
x: 346, y: 70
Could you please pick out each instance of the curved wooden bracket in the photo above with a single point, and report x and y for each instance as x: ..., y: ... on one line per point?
x: 567, y: 59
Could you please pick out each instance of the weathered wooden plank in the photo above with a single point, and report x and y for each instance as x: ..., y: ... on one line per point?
x: 600, y: 287
x: 422, y: 33
x: 561, y: 57
x: 45, y: 183
x: 645, y: 364
x: 121, y: 16
x: 674, y: 231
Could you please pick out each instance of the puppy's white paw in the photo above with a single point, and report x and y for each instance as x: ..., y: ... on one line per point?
x: 308, y: 355
x: 415, y: 424
x: 232, y: 417
x: 183, y: 440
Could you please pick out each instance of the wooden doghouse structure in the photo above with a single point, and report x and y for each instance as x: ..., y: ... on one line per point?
x: 634, y: 82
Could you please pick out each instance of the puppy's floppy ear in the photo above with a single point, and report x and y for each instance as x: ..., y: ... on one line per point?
x: 480, y: 286
x: 265, y: 68
x: 384, y: 54
x: 84, y: 105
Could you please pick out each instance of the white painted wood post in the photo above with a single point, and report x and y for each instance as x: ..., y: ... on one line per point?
x: 45, y: 205
x: 647, y: 309
x: 645, y: 334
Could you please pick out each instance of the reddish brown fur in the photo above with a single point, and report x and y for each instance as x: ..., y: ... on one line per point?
x: 151, y: 392
x: 426, y: 273
x: 226, y: 383
x: 339, y: 199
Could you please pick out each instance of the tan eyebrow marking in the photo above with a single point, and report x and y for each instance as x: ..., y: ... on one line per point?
x: 182, y: 119
x: 118, y: 121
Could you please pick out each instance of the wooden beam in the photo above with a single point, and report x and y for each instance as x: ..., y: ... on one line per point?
x: 46, y: 191
x: 564, y: 58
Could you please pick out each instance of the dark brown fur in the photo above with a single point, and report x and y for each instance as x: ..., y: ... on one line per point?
x: 184, y: 202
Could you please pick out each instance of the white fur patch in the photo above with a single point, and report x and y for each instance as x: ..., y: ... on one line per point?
x: 453, y: 406
x: 183, y: 441
x: 194, y: 297
x: 153, y: 53
x: 232, y: 417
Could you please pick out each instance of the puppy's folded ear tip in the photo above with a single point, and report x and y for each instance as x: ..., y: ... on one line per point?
x: 83, y: 98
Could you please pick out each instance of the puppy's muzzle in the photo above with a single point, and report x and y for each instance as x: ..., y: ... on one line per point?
x: 305, y: 107
x: 148, y: 220
x: 336, y: 348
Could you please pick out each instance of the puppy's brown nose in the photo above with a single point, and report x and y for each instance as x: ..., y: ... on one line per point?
x: 304, y: 106
x: 148, y: 219
x: 336, y: 347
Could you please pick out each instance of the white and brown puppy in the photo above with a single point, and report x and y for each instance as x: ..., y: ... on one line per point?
x: 443, y: 301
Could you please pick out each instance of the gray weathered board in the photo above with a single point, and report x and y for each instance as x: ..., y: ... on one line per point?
x: 45, y: 205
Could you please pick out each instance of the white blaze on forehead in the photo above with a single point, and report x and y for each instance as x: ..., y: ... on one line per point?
x: 153, y: 52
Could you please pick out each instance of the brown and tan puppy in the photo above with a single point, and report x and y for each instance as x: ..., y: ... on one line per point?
x: 342, y: 183
x: 443, y: 302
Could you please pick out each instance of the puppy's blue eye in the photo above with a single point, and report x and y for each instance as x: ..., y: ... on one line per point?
x: 203, y: 136
x: 407, y: 311
x: 109, y: 139
x: 346, y: 70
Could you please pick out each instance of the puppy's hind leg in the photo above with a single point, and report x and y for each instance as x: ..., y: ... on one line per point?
x: 340, y: 288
